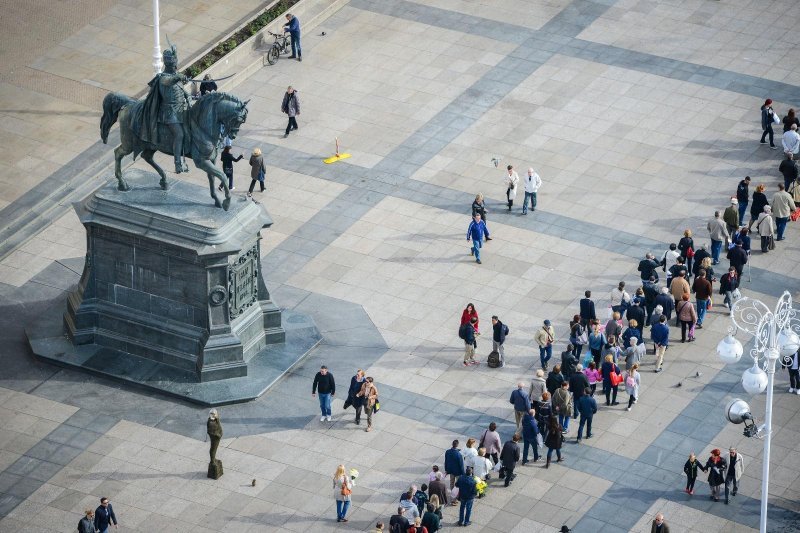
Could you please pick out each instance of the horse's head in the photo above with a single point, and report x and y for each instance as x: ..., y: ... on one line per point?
x: 232, y: 115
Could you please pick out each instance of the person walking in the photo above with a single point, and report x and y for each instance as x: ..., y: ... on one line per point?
x: 609, y: 387
x: 716, y: 467
x: 791, y: 141
x: 490, y: 441
x: 587, y: 311
x: 466, y: 494
x: 290, y: 107
x: 356, y: 382
x: 398, y: 522
x: 577, y: 335
x: 680, y: 287
x: 554, y: 379
x: 453, y: 464
x: 660, y: 335
x: 258, y: 172
x: 479, y: 207
x: 227, y: 166
x: 467, y: 333
x: 767, y: 120
x: 702, y: 294
x: 568, y: 362
x: 759, y: 202
x: 686, y: 248
x: 737, y: 256
x: 659, y: 525
x: 735, y: 471
x: 292, y: 26
x: 789, y: 169
x: 578, y: 383
x: 593, y: 376
x: 636, y: 313
x: 342, y: 489
x: 538, y: 386
x: 793, y: 367
x: 521, y: 402
x: 766, y: 229
x: 545, y: 337
x: 632, y: 383
x: 719, y: 235
x: 326, y: 385
x: 597, y: 339
x: 728, y: 284
x: 86, y: 524
x: 476, y: 231
x: 480, y: 464
x: 509, y: 456
x: 587, y: 407
x: 782, y: 207
x: 369, y: 397
x: 530, y: 436
x: 620, y: 299
x: 499, y: 333
x: 104, y: 516
x: 690, y: 468
x: 532, y: 184
x: 511, y: 182
x: 731, y: 216
x: 563, y: 406
x: 687, y: 317
x: 648, y: 267
x: 554, y: 440
x: 743, y: 197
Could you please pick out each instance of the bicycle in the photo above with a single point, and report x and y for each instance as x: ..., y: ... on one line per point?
x: 281, y: 45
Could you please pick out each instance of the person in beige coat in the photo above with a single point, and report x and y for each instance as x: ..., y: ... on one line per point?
x: 537, y: 387
x: 369, y: 392
x: 782, y: 207
x: 511, y: 181
x: 765, y: 225
x: 679, y: 287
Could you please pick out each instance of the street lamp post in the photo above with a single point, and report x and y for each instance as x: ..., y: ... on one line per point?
x: 775, y: 337
x: 157, y: 64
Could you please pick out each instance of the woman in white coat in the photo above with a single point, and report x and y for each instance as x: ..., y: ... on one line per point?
x: 511, y: 181
x: 765, y: 225
x: 632, y: 383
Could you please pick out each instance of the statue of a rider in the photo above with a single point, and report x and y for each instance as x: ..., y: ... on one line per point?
x: 166, y: 103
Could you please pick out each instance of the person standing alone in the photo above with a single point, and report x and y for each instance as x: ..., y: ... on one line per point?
x: 290, y: 107
x: 325, y: 384
x: 499, y: 333
x: 767, y: 119
x: 293, y: 27
x: 532, y: 184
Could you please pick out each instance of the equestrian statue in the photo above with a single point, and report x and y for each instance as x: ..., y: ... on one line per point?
x: 165, y: 122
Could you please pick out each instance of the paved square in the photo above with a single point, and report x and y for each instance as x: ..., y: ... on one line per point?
x: 640, y: 116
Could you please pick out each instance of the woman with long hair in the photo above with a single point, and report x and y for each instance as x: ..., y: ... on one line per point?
x: 684, y: 246
x: 342, y: 488
x: 554, y: 440
x: 467, y: 314
x: 716, y: 466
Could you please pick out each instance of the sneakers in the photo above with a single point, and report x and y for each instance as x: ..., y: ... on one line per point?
x: 466, y: 363
x: 797, y: 391
x: 478, y: 261
x: 659, y: 370
x: 763, y: 142
x: 791, y: 390
x: 328, y: 418
x: 774, y: 147
x: 627, y: 408
x: 322, y: 419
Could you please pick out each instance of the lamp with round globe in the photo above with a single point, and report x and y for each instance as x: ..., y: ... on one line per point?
x: 729, y: 350
x: 788, y: 342
x: 754, y: 380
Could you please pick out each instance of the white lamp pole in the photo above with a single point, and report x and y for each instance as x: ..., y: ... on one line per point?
x: 775, y: 337
x: 157, y: 64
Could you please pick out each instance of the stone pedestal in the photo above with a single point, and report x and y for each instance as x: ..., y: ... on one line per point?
x: 172, y: 295
x: 170, y: 278
x: 215, y: 469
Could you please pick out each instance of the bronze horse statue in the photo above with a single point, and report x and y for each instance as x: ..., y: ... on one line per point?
x: 214, y: 116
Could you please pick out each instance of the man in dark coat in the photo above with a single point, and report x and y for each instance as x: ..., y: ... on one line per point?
x: 699, y: 255
x: 587, y: 311
x: 738, y: 257
x: 578, y: 383
x: 666, y: 302
x: 587, y: 407
x: 529, y: 431
x: 509, y: 456
x: 439, y: 488
x: 568, y: 361
x: 399, y: 521
x: 648, y: 266
x: 636, y: 312
x: 104, y: 516
x: 453, y: 463
x: 651, y: 290
x: 789, y: 170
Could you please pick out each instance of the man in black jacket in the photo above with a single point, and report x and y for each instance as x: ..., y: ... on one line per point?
x: 648, y: 266
x: 587, y: 309
x: 636, y: 312
x: 651, y: 291
x: 398, y: 522
x: 743, y: 197
x: 789, y: 170
x: 568, y: 361
x: 104, y: 516
x: 699, y: 255
x: 327, y: 388
x: 737, y: 257
x: 499, y: 332
x: 578, y: 383
x: 509, y: 455
x: 666, y: 302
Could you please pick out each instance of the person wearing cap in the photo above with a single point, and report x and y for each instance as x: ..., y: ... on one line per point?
x: 659, y: 525
x: 743, y: 197
x: 731, y: 216
x: 765, y: 226
x: 767, y: 118
x: 788, y: 168
x: 735, y: 470
x: 545, y: 338
x: 718, y: 231
x: 782, y: 207
x: 791, y: 141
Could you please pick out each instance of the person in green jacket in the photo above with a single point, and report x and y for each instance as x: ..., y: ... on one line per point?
x: 430, y: 520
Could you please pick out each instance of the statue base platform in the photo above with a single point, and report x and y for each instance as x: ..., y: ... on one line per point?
x: 172, y: 296
x: 215, y: 469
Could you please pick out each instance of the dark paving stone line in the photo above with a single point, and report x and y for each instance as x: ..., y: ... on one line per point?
x: 48, y: 457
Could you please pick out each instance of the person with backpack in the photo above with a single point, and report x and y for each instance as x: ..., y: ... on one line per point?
x: 632, y: 382
x: 499, y: 333
x: 466, y: 332
x: 453, y: 464
x: 545, y: 338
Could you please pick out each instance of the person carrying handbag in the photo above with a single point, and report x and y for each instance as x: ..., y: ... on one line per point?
x: 765, y: 225
x: 369, y: 395
x: 342, y: 489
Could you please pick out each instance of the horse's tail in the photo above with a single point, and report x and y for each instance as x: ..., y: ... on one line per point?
x: 112, y: 104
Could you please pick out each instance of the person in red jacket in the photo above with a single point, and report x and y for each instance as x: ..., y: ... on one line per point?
x: 467, y: 315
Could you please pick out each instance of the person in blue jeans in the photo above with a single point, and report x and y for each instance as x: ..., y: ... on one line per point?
x: 104, y: 516
x: 587, y: 407
x: 324, y: 383
x: 476, y: 232
x: 466, y: 494
x: 293, y: 27
x: 529, y: 431
x: 562, y: 402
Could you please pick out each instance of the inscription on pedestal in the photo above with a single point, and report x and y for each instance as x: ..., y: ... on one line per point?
x: 242, y: 282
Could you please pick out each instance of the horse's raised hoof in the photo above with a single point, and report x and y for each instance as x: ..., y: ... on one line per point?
x: 123, y: 186
x: 226, y: 203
